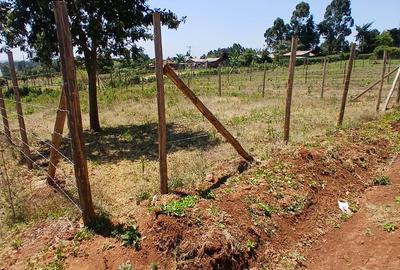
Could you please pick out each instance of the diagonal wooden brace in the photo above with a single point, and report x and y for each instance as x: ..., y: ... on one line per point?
x: 170, y: 73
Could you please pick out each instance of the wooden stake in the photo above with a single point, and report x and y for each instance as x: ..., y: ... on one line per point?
x: 74, y: 116
x: 5, y: 118
x: 389, y: 67
x: 397, y: 78
x: 398, y: 95
x: 56, y: 138
x: 378, y: 102
x: 324, y: 77
x: 170, y: 73
x: 162, y: 127
x: 347, y: 84
x: 306, y: 75
x: 21, y: 121
x: 264, y: 78
x: 292, y: 64
x: 374, y: 84
x: 219, y: 81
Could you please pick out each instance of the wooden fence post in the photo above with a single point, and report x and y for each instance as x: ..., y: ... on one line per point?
x: 169, y: 72
x: 344, y: 71
x: 21, y: 120
x: 56, y: 137
x: 6, y: 125
x: 74, y: 116
x: 306, y: 75
x: 347, y: 84
x: 219, y: 81
x: 292, y: 64
x: 378, y: 102
x: 264, y: 78
x: 324, y: 77
x: 398, y: 94
x: 396, y: 79
x: 162, y: 132
x: 389, y: 67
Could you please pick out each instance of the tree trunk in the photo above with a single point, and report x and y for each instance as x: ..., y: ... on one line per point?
x: 91, y: 69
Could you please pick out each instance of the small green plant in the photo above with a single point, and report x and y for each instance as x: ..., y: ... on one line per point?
x: 58, y: 261
x: 178, y: 208
x: 143, y: 195
x: 125, y: 266
x: 154, y: 266
x: 83, y: 234
x: 382, y: 180
x: 389, y: 227
x: 208, y: 194
x: 313, y: 184
x: 17, y: 243
x: 198, y: 220
x: 267, y: 210
x: 397, y: 199
x: 250, y: 245
x: 345, y: 216
x: 130, y: 236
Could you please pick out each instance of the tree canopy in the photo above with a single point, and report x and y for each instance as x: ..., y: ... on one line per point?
x: 336, y: 26
x: 366, y: 37
x: 109, y: 28
x: 303, y: 26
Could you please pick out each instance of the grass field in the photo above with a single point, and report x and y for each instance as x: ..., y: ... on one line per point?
x: 122, y: 158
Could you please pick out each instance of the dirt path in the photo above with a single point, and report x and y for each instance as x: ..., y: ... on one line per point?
x: 362, y: 242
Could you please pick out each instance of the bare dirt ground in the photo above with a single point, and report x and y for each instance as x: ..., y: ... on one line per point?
x: 362, y: 243
x: 278, y: 214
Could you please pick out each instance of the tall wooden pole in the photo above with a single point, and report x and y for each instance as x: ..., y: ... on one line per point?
x: 398, y: 94
x: 74, y: 115
x: 324, y: 77
x: 306, y: 77
x: 21, y: 120
x: 6, y: 125
x: 378, y: 101
x: 292, y: 64
x: 162, y: 127
x: 219, y: 81
x: 347, y: 84
x: 57, y: 137
x: 386, y: 103
x: 170, y: 73
x: 264, y: 78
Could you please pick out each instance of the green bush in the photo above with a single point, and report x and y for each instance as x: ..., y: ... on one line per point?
x: 393, y: 52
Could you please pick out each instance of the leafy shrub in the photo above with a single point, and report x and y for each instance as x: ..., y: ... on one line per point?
x: 392, y: 52
x: 178, y: 208
x: 130, y: 236
x: 382, y: 180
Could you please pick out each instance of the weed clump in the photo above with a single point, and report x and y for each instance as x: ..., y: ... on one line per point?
x: 382, y: 180
x: 130, y: 236
x: 178, y: 208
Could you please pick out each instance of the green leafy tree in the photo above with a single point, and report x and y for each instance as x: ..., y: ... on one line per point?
x: 336, y: 26
x: 384, y: 39
x: 109, y: 27
x: 180, y: 58
x: 395, y: 33
x: 303, y: 26
x: 276, y: 37
x: 366, y: 37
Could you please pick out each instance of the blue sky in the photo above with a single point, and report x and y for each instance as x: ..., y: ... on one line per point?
x: 220, y: 23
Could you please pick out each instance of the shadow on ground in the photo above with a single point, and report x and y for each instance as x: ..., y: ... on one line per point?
x: 132, y: 142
